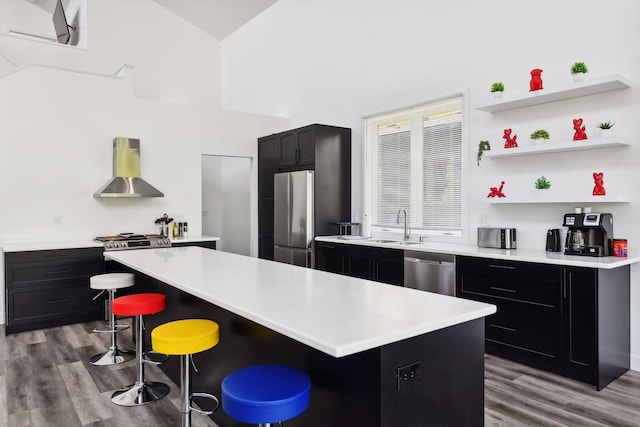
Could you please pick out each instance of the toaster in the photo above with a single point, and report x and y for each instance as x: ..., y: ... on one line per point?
x: 500, y: 238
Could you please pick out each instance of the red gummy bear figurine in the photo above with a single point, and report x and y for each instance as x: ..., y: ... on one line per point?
x: 536, y: 80
x: 580, y: 130
x: 598, y: 189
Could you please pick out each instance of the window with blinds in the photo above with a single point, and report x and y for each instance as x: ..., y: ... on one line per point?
x: 414, y: 162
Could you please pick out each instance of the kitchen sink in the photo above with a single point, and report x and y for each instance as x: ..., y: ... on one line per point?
x: 394, y: 242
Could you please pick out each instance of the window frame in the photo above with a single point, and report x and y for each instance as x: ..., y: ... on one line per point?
x: 370, y: 124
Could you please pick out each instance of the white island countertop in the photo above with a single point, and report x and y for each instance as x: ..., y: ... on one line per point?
x: 338, y: 315
x: 524, y: 255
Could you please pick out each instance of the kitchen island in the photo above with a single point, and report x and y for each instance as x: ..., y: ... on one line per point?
x: 377, y: 355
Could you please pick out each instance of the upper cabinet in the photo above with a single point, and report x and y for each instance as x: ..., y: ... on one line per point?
x: 297, y: 148
x: 575, y: 90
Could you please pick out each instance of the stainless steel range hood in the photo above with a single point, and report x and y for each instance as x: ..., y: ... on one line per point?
x: 126, y: 181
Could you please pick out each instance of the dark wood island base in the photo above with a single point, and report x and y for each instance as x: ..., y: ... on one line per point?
x: 434, y: 379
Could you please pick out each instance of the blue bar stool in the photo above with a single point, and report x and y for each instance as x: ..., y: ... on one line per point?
x: 266, y: 394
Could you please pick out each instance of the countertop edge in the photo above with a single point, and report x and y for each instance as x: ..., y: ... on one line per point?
x: 524, y: 255
x: 79, y: 244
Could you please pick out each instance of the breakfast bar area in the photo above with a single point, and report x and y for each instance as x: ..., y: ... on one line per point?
x: 377, y: 355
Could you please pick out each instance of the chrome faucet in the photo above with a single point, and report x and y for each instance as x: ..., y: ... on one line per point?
x: 407, y: 231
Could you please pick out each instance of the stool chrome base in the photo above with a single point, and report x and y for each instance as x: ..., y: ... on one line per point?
x: 113, y: 356
x: 140, y: 393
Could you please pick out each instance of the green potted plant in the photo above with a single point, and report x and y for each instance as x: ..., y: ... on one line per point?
x: 482, y: 146
x: 541, y: 135
x: 606, y: 129
x: 496, y: 89
x: 543, y: 183
x: 578, y: 70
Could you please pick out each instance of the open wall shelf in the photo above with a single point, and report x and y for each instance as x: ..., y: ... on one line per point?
x: 575, y: 90
x: 557, y: 147
x: 549, y: 198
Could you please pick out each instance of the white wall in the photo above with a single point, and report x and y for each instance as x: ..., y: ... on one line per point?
x: 227, y: 201
x: 57, y: 124
x: 336, y: 62
x: 175, y: 61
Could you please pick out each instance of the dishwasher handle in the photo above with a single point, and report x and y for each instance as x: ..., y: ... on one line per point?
x: 428, y: 261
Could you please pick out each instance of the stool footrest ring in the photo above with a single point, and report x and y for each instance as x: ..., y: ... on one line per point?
x: 154, y: 358
x: 206, y: 396
x: 107, y: 328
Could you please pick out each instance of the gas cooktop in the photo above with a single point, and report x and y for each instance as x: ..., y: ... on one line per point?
x: 125, y: 241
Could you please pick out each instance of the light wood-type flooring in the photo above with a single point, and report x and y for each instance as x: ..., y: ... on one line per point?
x: 46, y: 380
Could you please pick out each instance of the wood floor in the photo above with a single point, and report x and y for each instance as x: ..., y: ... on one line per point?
x: 45, y: 380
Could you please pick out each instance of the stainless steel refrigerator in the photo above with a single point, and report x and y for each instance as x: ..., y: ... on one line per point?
x: 293, y: 217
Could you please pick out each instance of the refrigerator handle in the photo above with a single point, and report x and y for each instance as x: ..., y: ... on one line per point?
x: 290, y: 209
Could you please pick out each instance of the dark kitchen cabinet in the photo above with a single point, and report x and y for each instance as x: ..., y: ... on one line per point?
x: 596, y: 329
x: 51, y: 288
x: 329, y: 257
x: 209, y: 244
x: 297, y: 148
x: 324, y: 149
x: 566, y: 320
x: 364, y: 262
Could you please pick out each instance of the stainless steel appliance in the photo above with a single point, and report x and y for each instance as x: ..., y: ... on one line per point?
x: 293, y: 217
x: 430, y: 272
x: 501, y: 238
x: 124, y: 241
x: 126, y: 181
x: 589, y: 234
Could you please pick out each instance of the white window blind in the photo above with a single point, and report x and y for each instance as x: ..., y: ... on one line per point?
x: 413, y: 162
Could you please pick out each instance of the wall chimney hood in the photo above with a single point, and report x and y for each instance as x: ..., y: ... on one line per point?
x: 126, y: 181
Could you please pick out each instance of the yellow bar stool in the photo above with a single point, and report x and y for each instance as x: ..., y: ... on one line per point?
x: 184, y: 338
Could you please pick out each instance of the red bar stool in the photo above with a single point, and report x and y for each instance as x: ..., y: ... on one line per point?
x: 141, y: 392
x: 110, y: 283
x: 184, y: 338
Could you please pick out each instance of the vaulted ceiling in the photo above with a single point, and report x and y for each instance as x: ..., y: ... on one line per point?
x: 219, y: 18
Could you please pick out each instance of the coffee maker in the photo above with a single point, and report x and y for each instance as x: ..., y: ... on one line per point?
x: 589, y: 234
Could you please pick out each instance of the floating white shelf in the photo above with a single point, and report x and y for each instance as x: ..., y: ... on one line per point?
x: 557, y: 147
x: 555, y: 199
x: 584, y: 88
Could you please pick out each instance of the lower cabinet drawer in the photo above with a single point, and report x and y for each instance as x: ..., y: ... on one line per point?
x: 540, y: 293
x: 525, y: 330
x: 41, y: 303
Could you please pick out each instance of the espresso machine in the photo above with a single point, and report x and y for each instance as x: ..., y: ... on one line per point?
x: 589, y: 234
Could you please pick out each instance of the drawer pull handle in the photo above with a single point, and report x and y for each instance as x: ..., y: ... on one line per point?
x: 503, y: 327
x: 58, y: 301
x: 506, y: 267
x: 58, y: 272
x: 495, y: 288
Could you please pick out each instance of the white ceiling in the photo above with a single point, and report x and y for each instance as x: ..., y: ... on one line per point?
x: 219, y: 18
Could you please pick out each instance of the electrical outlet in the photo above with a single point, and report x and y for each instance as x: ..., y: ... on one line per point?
x: 57, y: 221
x: 407, y: 374
x: 484, y: 219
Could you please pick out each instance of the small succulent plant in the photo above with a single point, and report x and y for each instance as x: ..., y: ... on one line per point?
x: 497, y: 87
x: 543, y: 183
x: 606, y: 125
x: 540, y: 133
x: 579, y: 67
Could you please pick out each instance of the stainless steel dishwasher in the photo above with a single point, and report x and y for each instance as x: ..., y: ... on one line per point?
x: 430, y: 272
